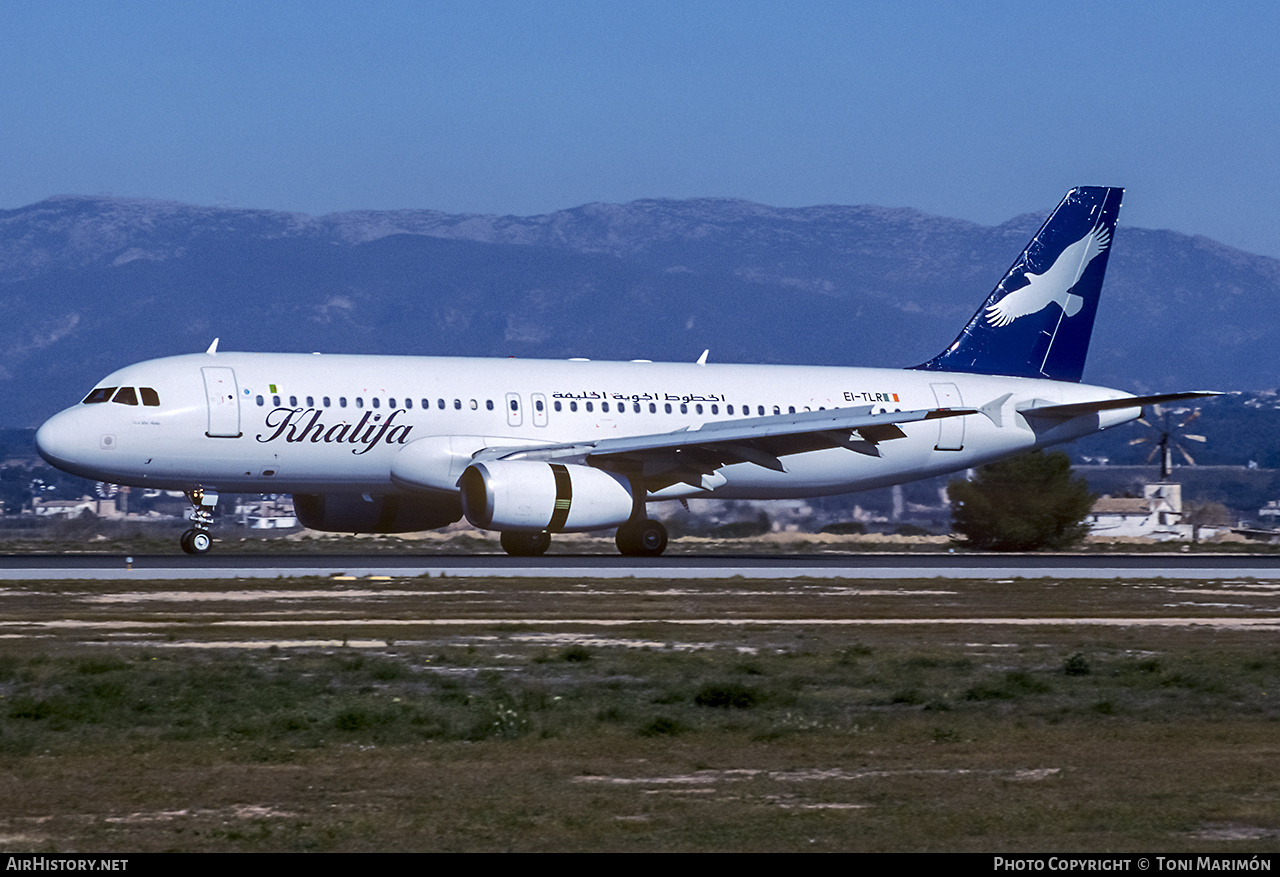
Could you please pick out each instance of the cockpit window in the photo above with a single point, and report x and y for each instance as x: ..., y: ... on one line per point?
x: 126, y: 396
x: 102, y: 394
x: 149, y: 396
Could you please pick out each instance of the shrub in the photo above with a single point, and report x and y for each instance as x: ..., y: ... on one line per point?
x: 726, y: 696
x: 662, y: 727
x: 911, y: 530
x: 576, y: 653
x: 845, y: 528
x: 1076, y: 665
x: 1027, y: 503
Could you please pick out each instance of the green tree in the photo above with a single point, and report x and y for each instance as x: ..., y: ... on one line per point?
x: 1025, y: 503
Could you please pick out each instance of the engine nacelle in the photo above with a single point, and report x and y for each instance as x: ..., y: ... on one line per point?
x: 353, y: 513
x: 532, y: 495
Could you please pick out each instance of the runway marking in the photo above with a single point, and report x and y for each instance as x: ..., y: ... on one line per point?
x: 1268, y: 589
x: 267, y: 644
x: 807, y: 775
x: 257, y: 596
x: 566, y: 639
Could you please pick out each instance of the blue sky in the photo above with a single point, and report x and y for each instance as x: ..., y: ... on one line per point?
x: 973, y: 110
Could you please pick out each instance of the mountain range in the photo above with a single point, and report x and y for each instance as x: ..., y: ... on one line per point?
x: 90, y: 284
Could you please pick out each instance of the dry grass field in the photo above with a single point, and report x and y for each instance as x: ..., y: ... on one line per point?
x: 501, y: 714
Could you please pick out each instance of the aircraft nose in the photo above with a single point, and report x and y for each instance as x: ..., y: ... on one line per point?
x: 59, y: 441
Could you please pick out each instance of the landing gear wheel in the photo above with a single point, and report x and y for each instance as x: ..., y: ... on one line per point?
x: 642, y: 538
x: 196, y: 542
x: 521, y: 543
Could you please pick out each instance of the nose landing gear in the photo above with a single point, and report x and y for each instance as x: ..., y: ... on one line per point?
x: 197, y: 540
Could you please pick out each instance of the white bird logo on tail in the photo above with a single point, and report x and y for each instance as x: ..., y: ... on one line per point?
x: 1054, y: 285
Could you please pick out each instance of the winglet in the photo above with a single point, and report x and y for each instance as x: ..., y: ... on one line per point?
x: 213, y: 348
x: 702, y: 360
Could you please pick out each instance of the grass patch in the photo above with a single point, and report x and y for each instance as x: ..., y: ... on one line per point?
x: 727, y: 695
x: 514, y: 750
x: 761, y: 736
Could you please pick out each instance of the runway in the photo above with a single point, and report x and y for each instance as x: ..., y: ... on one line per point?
x: 857, y: 566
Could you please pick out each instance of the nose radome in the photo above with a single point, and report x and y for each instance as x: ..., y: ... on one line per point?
x: 59, y: 441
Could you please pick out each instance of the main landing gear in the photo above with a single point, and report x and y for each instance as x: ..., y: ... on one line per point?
x: 521, y: 543
x: 641, y: 536
x: 197, y: 540
x: 647, y: 538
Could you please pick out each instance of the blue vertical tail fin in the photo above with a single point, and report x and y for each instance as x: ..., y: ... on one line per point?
x: 1037, y: 321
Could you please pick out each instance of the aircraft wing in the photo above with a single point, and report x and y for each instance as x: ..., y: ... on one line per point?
x: 687, y: 454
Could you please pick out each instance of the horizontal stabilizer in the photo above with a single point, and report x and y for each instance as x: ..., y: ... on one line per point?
x: 1075, y: 409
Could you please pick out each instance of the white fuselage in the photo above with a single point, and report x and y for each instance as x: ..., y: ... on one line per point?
x: 297, y: 423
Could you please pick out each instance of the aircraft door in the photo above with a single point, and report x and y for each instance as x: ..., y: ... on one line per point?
x: 539, y: 409
x: 950, y: 429
x: 224, y: 402
x: 514, y: 415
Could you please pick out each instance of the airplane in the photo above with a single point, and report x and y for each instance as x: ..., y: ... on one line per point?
x: 384, y: 444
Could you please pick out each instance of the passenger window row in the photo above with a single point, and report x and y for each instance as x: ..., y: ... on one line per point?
x: 668, y: 408
x: 124, y: 396
x: 457, y: 404
x: 359, y: 402
x: 149, y: 397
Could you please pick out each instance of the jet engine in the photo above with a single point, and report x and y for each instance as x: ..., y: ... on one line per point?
x: 361, y: 513
x: 533, y: 495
